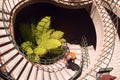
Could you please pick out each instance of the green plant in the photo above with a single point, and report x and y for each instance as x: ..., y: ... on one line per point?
x: 42, y: 40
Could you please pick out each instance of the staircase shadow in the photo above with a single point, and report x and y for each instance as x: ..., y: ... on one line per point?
x: 73, y: 66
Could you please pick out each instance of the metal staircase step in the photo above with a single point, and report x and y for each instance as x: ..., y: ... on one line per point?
x: 53, y: 76
x: 6, y: 16
x: 76, y: 51
x: 55, y: 68
x: 70, y: 71
x: 59, y: 65
x: 13, y: 3
x: 8, y: 56
x: 40, y: 75
x: 18, y: 69
x: 79, y: 56
x: 0, y: 4
x: 65, y: 71
x: 52, y: 71
x: 8, y: 5
x: 77, y: 61
x: 60, y: 75
x: 2, y: 25
x: 33, y: 74
x: 6, y: 48
x: 73, y: 46
x: 65, y: 74
x: 12, y: 63
x: 47, y: 75
x: 25, y: 73
x: 2, y: 32
x: 4, y: 40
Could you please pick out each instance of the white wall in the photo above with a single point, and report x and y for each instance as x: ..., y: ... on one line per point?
x: 99, y: 31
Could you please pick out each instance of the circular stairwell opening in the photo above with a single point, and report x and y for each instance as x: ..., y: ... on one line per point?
x: 73, y: 22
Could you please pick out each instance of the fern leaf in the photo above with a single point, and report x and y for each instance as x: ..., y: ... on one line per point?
x: 57, y: 34
x: 40, y: 51
x: 44, y: 24
x: 51, y: 44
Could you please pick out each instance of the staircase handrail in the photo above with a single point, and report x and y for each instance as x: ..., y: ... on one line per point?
x: 106, y: 46
x: 73, y: 2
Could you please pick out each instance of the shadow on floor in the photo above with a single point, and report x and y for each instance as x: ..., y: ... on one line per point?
x: 73, y: 66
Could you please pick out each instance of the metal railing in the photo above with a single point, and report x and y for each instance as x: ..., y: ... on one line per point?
x: 47, y: 61
x: 116, y: 2
x: 85, y: 53
x: 108, y: 44
x: 7, y: 7
x: 112, y: 11
x: 85, y: 61
x: 109, y: 41
x: 74, y: 2
x: 53, y: 60
x: 5, y: 76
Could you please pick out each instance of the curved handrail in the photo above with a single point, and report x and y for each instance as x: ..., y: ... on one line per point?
x: 73, y: 2
x: 114, y: 33
x: 3, y: 18
x: 5, y: 76
x: 10, y: 37
x: 50, y: 61
x: 114, y: 10
x: 13, y: 41
x: 4, y: 22
x: 108, y: 45
x: 5, y: 26
x: 85, y: 53
x: 114, y: 1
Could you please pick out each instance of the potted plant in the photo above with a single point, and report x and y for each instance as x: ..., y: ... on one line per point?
x: 43, y: 42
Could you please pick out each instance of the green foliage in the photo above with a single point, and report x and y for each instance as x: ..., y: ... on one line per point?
x: 51, y: 44
x: 56, y: 51
x: 25, y: 30
x: 44, y: 24
x: 39, y: 51
x: 27, y: 46
x: 43, y: 40
x: 57, y: 34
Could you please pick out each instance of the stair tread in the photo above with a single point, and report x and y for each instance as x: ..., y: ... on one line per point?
x: 33, y: 74
x: 6, y: 57
x: 5, y: 48
x: 59, y: 75
x: 40, y: 75
x: 18, y: 69
x: 25, y: 73
x: 53, y: 76
x: 46, y: 75
x: 11, y: 64
x: 4, y: 40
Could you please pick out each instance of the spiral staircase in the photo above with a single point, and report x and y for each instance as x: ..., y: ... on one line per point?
x: 15, y: 66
